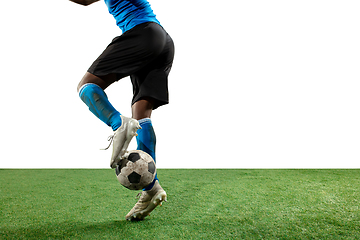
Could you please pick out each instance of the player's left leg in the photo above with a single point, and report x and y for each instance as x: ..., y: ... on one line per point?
x: 146, y: 139
x: 153, y: 195
x: 91, y: 91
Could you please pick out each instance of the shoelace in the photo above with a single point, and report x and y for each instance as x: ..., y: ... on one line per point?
x: 138, y: 196
x: 110, y: 138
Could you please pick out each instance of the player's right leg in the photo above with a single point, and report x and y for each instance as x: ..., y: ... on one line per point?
x: 91, y: 91
x: 153, y: 195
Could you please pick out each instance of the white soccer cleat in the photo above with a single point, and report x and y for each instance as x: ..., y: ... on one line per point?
x: 148, y: 201
x: 121, y: 139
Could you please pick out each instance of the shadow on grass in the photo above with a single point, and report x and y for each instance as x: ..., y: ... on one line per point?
x: 111, y: 229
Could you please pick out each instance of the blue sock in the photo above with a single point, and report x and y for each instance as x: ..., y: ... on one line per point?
x: 146, y: 141
x: 95, y: 98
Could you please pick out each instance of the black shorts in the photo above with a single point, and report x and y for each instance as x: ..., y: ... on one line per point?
x: 145, y: 53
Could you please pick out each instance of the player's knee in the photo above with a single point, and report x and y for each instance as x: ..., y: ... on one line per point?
x: 82, y: 82
x: 79, y: 86
x: 88, y: 78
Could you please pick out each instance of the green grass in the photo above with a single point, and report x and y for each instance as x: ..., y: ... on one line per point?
x: 203, y: 204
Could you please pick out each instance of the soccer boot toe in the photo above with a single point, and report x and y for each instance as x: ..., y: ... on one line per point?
x: 148, y: 201
x: 122, y: 138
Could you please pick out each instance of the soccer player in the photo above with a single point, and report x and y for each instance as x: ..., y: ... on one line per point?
x: 144, y: 51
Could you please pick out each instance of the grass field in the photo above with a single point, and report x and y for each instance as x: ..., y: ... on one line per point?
x: 202, y: 204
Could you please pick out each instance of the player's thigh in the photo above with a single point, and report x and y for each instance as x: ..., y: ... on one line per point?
x: 101, y: 81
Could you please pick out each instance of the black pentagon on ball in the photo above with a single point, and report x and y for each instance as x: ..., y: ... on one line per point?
x: 133, y: 157
x: 151, y: 167
x: 134, y: 177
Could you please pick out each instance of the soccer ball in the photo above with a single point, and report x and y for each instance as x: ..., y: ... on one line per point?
x: 136, y: 170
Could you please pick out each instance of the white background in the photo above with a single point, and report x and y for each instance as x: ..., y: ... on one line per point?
x: 255, y: 84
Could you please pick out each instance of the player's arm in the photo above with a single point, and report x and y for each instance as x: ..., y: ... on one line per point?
x: 84, y: 2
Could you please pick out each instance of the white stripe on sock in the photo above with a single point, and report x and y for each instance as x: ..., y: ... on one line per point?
x: 86, y: 84
x: 144, y: 120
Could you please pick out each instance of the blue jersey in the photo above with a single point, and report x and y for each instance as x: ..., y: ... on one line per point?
x: 129, y: 13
